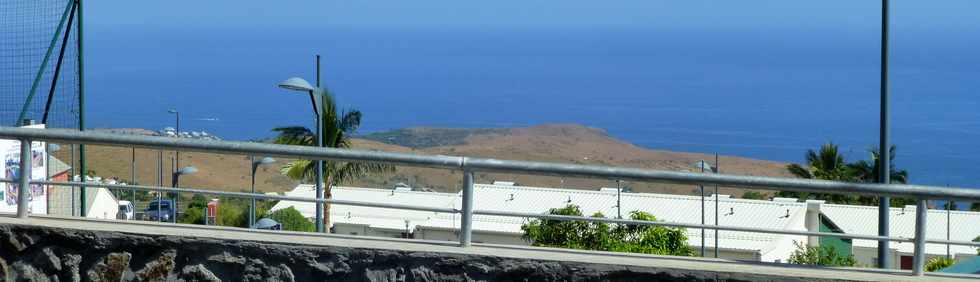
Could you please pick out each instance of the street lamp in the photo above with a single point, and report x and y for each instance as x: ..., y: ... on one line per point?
x: 176, y: 178
x: 255, y: 166
x: 316, y: 97
x: 703, y: 165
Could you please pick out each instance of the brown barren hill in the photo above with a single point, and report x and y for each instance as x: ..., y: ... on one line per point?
x: 565, y: 143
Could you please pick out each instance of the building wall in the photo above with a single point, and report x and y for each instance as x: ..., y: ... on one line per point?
x: 365, y: 230
x: 478, y: 236
x: 843, y: 246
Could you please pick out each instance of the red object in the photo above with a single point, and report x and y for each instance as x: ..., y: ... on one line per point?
x: 906, y: 262
x: 213, y: 210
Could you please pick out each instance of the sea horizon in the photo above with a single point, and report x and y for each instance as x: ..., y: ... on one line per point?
x: 770, y: 94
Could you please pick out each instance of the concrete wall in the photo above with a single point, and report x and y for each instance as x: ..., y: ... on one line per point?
x: 440, y: 234
x: 33, y: 253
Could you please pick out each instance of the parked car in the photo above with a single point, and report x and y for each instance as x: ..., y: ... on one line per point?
x: 159, y: 210
x: 126, y: 211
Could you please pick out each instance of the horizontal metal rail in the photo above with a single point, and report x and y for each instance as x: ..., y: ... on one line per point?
x: 470, y: 165
x: 490, y: 165
x: 688, y: 225
x: 239, y: 195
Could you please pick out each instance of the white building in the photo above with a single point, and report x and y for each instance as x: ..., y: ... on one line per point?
x: 963, y: 226
x: 780, y: 213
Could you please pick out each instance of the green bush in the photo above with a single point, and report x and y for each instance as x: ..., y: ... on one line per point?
x: 605, y: 237
x: 823, y: 256
x: 938, y: 263
x: 292, y: 220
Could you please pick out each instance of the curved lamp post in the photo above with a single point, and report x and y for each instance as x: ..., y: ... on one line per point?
x: 176, y: 179
x: 316, y: 96
x: 255, y: 166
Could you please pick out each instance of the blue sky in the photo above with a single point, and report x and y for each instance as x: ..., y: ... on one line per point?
x: 944, y: 14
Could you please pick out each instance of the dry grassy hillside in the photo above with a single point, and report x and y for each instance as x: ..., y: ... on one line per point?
x: 550, y: 143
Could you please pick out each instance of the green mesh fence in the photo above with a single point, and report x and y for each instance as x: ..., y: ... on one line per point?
x: 27, y: 30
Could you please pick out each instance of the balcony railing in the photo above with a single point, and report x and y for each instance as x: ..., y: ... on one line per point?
x: 471, y: 165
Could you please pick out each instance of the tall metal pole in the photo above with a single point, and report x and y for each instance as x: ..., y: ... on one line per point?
x: 132, y: 178
x: 319, y: 143
x: 949, y: 206
x: 717, y: 170
x: 81, y: 106
x: 884, y: 166
x: 160, y: 183
x: 176, y: 166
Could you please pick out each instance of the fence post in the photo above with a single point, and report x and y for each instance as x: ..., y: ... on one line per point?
x: 23, y: 201
x: 466, y: 226
x: 921, y: 211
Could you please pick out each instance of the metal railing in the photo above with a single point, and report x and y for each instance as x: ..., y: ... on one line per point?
x: 470, y: 165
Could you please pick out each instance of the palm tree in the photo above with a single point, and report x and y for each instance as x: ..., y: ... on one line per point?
x: 867, y: 171
x: 828, y: 164
x: 337, y: 128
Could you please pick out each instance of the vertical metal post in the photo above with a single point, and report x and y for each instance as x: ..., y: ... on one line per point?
x: 466, y: 224
x: 949, y: 207
x: 317, y: 108
x: 619, y: 203
x: 884, y: 167
x: 72, y: 177
x: 251, y: 209
x: 81, y: 106
x: 319, y: 174
x: 132, y: 178
x: 24, y: 181
x: 717, y: 170
x: 702, y: 212
x: 919, y: 258
x: 160, y: 183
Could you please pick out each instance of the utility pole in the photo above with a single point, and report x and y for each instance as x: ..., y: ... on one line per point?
x: 81, y: 105
x: 884, y: 155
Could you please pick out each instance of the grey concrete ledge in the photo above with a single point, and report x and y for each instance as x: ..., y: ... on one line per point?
x: 95, y: 250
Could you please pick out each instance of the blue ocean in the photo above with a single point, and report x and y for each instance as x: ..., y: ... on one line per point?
x: 767, y: 94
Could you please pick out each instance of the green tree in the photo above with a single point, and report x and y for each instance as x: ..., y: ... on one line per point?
x: 337, y: 128
x: 867, y: 171
x: 938, y: 263
x: 574, y: 234
x: 823, y: 256
x: 975, y: 206
x: 194, y: 213
x: 828, y: 164
x: 292, y: 220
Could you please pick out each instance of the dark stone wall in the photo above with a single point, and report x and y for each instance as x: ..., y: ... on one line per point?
x: 29, y: 253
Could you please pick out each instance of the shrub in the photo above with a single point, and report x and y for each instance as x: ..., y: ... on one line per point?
x: 823, y: 256
x: 292, y: 220
x: 585, y: 235
x: 938, y: 263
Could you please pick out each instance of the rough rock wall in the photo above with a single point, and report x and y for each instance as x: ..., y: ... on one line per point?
x: 30, y: 253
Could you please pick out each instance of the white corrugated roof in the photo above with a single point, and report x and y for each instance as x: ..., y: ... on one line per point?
x: 964, y: 226
x: 674, y: 208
